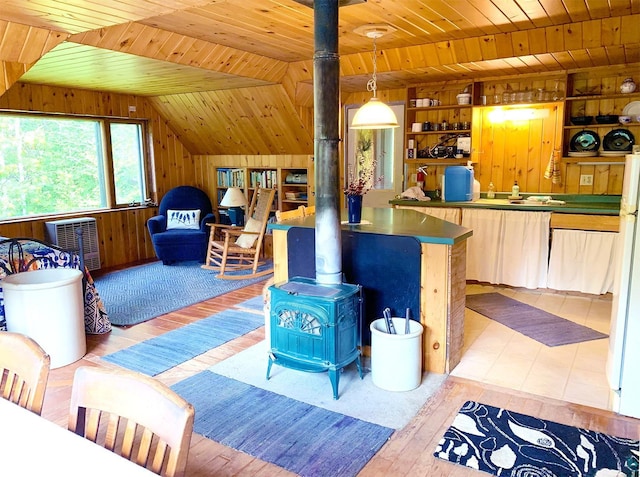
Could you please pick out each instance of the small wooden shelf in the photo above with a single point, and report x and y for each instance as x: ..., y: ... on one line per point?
x: 598, y: 125
x: 595, y: 160
x: 440, y: 108
x: 438, y: 161
x: 441, y: 131
x: 587, y: 97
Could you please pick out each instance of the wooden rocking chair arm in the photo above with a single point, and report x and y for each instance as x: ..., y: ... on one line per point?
x: 222, y: 226
x: 238, y: 232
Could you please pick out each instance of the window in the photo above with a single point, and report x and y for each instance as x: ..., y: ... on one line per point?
x: 386, y: 146
x: 51, y: 165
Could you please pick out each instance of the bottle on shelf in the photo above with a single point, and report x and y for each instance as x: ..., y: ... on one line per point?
x: 475, y: 187
x: 491, y: 193
x: 420, y: 177
x: 515, y: 190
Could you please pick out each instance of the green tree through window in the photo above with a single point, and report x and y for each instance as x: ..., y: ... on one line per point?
x: 51, y: 165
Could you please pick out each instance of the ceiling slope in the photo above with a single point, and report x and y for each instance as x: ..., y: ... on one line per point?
x: 258, y: 120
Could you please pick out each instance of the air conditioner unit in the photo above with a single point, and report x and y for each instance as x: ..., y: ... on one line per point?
x: 63, y: 234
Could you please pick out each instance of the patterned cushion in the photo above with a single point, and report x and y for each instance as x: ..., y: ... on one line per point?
x: 183, y: 219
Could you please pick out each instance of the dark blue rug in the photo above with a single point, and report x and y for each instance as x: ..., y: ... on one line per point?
x: 503, y: 442
x: 141, y: 293
x: 155, y: 355
x: 299, y: 437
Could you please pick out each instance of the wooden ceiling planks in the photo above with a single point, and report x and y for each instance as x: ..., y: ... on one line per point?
x: 146, y: 77
x: 259, y: 28
x: 150, y: 42
x: 26, y: 44
x: 284, y: 27
x: 74, y: 16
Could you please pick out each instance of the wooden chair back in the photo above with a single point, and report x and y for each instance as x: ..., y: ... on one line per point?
x: 260, y: 206
x: 24, y: 371
x: 241, y: 249
x: 133, y: 415
x: 290, y: 214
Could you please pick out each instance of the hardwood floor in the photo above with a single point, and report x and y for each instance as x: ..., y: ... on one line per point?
x: 408, y: 452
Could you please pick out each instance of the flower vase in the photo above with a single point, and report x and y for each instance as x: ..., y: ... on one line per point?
x: 354, y: 207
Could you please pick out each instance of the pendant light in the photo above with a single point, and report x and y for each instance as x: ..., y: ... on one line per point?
x: 374, y: 114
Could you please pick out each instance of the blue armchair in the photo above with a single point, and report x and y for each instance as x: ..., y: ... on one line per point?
x: 179, y: 232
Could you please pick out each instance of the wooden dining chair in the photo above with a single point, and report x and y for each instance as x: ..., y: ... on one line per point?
x: 133, y: 415
x: 290, y: 214
x: 24, y: 371
x: 234, y: 248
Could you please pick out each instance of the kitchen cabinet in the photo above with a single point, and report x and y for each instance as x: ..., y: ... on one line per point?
x: 583, y: 249
x: 582, y: 260
x: 507, y: 247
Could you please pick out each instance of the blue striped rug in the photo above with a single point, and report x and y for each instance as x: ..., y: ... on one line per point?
x: 158, y: 354
x: 299, y: 437
x: 141, y: 293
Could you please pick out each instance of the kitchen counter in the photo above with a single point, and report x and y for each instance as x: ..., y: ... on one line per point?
x: 574, y: 204
x: 399, y: 223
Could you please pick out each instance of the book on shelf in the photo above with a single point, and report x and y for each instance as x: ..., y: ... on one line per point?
x: 295, y: 195
x: 228, y: 177
x: 266, y: 179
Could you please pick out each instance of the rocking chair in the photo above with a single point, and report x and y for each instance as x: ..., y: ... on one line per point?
x: 234, y: 248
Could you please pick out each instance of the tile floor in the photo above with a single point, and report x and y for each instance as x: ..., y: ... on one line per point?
x: 495, y: 354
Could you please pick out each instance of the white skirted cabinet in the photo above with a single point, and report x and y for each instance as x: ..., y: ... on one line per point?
x: 507, y: 247
x: 582, y: 260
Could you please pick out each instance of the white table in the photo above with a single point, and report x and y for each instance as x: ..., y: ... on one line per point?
x: 32, y: 445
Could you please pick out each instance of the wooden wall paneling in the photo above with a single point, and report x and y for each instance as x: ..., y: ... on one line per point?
x: 497, y: 160
x: 601, y: 179
x: 616, y: 178
x: 573, y: 179
x: 537, y: 146
x: 516, y: 135
x: 173, y: 162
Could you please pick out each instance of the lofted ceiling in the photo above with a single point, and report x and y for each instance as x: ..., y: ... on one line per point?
x: 201, y: 47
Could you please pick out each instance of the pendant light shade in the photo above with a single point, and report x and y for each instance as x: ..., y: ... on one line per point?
x: 374, y: 114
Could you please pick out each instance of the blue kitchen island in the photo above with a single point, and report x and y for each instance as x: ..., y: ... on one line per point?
x: 402, y: 259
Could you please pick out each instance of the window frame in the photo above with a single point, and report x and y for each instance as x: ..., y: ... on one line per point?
x: 107, y: 169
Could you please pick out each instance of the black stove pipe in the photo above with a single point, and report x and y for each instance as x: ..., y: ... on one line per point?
x: 326, y: 99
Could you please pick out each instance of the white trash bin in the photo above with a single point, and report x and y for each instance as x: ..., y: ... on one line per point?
x: 47, y: 305
x: 396, y: 360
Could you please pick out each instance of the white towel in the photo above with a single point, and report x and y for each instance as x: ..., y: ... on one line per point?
x: 414, y: 192
x: 553, y: 168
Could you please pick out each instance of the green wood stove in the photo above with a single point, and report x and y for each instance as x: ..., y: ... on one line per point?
x: 315, y: 327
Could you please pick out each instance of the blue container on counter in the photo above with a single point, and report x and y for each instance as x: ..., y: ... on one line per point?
x: 458, y: 184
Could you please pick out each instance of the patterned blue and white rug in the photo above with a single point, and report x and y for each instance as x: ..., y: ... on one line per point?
x: 141, y: 293
x: 506, y: 443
